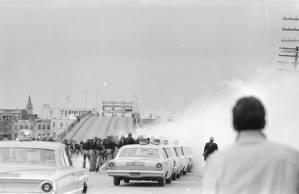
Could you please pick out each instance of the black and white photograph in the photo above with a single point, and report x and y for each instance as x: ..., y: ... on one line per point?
x: 149, y: 96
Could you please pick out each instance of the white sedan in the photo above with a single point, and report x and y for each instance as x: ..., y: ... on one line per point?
x: 39, y: 167
x: 141, y: 162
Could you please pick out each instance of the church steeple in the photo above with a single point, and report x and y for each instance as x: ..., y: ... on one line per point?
x: 29, y: 106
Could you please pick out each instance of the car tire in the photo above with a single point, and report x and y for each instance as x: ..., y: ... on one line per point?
x: 161, y: 182
x: 178, y: 175
x: 174, y: 177
x: 126, y: 180
x: 84, y: 188
x: 116, y: 181
x: 168, y: 181
x: 189, y: 169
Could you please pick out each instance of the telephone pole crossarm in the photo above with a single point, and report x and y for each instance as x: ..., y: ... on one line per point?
x: 286, y: 55
x: 290, y: 51
x: 289, y: 40
x: 291, y: 18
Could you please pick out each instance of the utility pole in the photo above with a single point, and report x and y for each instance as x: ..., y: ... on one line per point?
x: 97, y: 109
x: 85, y: 96
x: 135, y: 103
x: 289, y: 51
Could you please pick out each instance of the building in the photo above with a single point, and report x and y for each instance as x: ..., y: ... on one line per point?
x: 12, y: 114
x: 12, y: 120
x: 6, y: 129
x: 122, y: 108
x: 21, y: 124
x: 19, y: 114
x: 50, y: 113
x: 61, y: 125
x: 42, y: 129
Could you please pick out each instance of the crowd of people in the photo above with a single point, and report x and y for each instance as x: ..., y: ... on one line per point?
x: 98, y: 151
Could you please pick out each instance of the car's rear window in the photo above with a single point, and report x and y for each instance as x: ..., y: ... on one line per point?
x: 27, y: 156
x: 139, y: 152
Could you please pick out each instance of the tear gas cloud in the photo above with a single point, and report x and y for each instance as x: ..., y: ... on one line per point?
x: 211, y: 115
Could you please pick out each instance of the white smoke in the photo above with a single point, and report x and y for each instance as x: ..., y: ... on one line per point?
x: 279, y: 92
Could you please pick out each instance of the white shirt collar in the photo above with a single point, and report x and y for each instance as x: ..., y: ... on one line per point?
x: 250, y: 136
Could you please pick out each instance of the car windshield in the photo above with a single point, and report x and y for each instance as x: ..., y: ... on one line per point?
x: 27, y: 156
x: 139, y: 152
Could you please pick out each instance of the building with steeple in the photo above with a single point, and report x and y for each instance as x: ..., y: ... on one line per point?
x: 29, y: 106
x: 13, y: 120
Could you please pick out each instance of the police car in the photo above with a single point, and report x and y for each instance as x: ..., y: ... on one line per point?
x: 184, y: 154
x: 188, y: 157
x: 141, y: 162
x: 178, y: 166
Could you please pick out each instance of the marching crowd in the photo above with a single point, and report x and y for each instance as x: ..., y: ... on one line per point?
x: 98, y: 151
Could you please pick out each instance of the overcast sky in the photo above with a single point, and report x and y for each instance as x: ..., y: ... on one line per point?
x: 166, y: 52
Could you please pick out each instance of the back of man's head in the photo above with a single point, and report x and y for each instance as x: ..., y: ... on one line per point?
x: 249, y: 114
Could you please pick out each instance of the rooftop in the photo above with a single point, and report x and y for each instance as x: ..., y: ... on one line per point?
x: 32, y: 144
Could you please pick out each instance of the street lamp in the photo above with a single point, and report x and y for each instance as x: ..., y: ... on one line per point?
x: 98, y: 95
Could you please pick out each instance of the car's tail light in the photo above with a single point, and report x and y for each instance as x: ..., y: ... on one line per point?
x: 159, y: 166
x: 46, y: 187
x: 174, y: 163
x: 111, y: 165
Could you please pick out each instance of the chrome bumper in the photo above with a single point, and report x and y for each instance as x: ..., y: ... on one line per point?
x: 136, y: 174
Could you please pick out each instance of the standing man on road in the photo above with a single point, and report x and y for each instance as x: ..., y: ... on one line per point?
x: 130, y: 139
x: 122, y: 141
x: 110, y: 148
x: 253, y: 164
x: 100, y: 154
x: 93, y: 155
x: 210, y: 148
x: 86, y: 152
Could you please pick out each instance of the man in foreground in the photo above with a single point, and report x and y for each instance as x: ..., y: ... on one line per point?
x: 252, y: 165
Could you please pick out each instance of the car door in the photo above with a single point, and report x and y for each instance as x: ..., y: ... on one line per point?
x: 69, y: 180
x: 168, y: 163
x: 171, y: 155
x: 178, y: 153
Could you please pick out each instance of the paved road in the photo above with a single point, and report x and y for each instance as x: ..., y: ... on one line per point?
x: 101, y: 183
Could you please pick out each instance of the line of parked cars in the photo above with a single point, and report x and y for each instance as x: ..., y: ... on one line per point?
x: 46, y: 167
x: 154, y: 162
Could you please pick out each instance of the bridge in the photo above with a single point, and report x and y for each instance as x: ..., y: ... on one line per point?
x: 98, y: 126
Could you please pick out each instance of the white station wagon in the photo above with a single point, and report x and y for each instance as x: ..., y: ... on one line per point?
x: 141, y: 162
x: 39, y: 167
